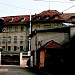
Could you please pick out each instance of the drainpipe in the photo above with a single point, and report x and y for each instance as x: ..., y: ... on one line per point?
x: 30, y: 23
x: 29, y: 39
x: 35, y: 54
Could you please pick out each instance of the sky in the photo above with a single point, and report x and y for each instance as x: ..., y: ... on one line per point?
x: 24, y: 7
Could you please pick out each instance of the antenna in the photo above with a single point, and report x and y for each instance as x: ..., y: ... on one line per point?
x: 68, y: 8
x: 53, y: 1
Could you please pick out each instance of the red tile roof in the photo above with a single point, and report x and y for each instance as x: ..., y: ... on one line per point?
x: 17, y: 19
x: 67, y: 17
x: 51, y: 14
x: 52, y: 44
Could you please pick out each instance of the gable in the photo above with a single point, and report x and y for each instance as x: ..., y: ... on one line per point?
x: 52, y: 44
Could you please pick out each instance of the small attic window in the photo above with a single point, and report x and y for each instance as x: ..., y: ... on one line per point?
x: 22, y: 19
x: 2, y: 18
x: 47, y: 17
x: 37, y: 17
x: 73, y: 18
x: 4, y: 29
x: 11, y: 20
x: 56, y: 17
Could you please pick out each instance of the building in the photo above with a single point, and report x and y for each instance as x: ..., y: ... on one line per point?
x: 40, y: 37
x: 69, y: 18
x: 30, y: 32
x: 50, y: 56
x: 14, y: 36
x: 47, y: 19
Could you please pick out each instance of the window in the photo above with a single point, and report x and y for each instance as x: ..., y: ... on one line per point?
x: 22, y: 28
x: 21, y: 48
x: 16, y: 29
x: 15, y: 48
x: 10, y: 29
x: 40, y: 43
x: 37, y: 17
x: 9, y: 48
x: 4, y: 29
x: 22, y: 19
x: 3, y: 48
x: 9, y: 38
x: 73, y: 18
x: 37, y: 27
x: 3, y: 39
x: 56, y: 17
x: 56, y: 26
x: 15, y: 39
x: 21, y: 39
x: 47, y: 26
x: 47, y: 17
x: 11, y: 20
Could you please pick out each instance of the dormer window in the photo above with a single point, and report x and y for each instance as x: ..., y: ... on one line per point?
x: 37, y: 17
x: 73, y: 18
x: 11, y: 20
x: 4, y: 29
x: 2, y: 18
x: 47, y: 17
x: 56, y: 17
x: 22, y: 19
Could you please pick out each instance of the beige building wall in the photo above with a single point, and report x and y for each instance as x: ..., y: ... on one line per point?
x: 41, y: 38
x: 45, y: 26
x: 11, y: 43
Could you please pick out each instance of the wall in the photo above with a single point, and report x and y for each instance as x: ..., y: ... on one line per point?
x: 45, y: 25
x: 12, y: 44
x: 23, y: 60
x: 72, y: 31
x: 44, y: 37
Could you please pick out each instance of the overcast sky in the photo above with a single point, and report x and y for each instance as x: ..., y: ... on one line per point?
x: 23, y: 7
